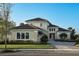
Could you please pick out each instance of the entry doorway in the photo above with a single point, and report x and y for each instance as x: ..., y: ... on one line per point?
x: 52, y: 35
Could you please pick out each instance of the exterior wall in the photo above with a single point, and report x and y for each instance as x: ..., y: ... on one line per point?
x: 32, y: 34
x: 44, y: 33
x: 57, y: 33
x: 68, y: 34
x: 38, y: 23
x: 56, y: 29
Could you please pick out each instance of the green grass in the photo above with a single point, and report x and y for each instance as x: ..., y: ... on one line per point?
x: 16, y: 46
x: 77, y: 45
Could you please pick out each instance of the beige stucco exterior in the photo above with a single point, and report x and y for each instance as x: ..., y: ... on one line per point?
x: 38, y: 24
x: 56, y: 29
x: 58, y: 33
x: 33, y: 34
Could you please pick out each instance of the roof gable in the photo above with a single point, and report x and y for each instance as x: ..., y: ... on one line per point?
x: 37, y: 19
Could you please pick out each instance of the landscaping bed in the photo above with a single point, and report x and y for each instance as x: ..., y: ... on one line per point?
x: 20, y: 44
x: 61, y: 40
x: 27, y: 46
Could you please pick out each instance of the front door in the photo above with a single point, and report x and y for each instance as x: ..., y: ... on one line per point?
x: 52, y: 35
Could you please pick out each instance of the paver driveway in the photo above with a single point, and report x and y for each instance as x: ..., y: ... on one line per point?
x: 62, y: 45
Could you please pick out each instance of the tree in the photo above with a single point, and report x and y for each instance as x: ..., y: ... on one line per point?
x: 76, y: 36
x: 70, y: 28
x: 1, y: 28
x: 77, y: 40
x: 21, y: 24
x: 44, y: 39
x: 72, y: 35
x: 5, y: 14
x: 10, y: 24
x: 63, y: 35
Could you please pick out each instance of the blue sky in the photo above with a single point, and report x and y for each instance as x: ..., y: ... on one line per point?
x: 62, y: 14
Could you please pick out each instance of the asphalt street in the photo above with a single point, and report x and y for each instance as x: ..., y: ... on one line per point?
x: 42, y: 52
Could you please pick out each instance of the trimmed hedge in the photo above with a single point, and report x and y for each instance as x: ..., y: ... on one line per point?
x: 44, y: 39
x: 20, y: 42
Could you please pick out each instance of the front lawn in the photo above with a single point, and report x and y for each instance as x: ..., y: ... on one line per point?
x: 77, y: 45
x: 27, y: 46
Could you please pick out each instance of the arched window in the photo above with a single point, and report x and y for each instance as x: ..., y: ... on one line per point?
x: 22, y: 35
x: 27, y: 35
x: 63, y: 35
x: 18, y: 35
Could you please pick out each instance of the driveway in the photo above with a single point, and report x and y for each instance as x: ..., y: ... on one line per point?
x: 63, y: 45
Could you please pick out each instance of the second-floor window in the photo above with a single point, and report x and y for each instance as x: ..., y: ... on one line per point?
x: 52, y: 29
x: 40, y: 24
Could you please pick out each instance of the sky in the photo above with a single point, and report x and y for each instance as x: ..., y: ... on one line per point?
x: 62, y: 14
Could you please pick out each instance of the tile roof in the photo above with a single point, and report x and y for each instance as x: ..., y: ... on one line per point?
x: 40, y: 19
x: 62, y: 29
x: 51, y: 25
x: 37, y: 19
x: 26, y: 26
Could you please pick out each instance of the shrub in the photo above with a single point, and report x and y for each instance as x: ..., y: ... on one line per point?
x: 2, y: 42
x: 19, y: 42
x: 63, y: 35
x: 44, y: 39
x: 75, y: 37
x: 77, y: 40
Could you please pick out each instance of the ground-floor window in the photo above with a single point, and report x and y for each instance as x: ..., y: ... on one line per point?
x: 22, y: 35
x: 52, y: 35
x: 27, y: 35
x: 18, y: 35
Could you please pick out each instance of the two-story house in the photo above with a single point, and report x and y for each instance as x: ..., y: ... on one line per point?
x: 32, y: 29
